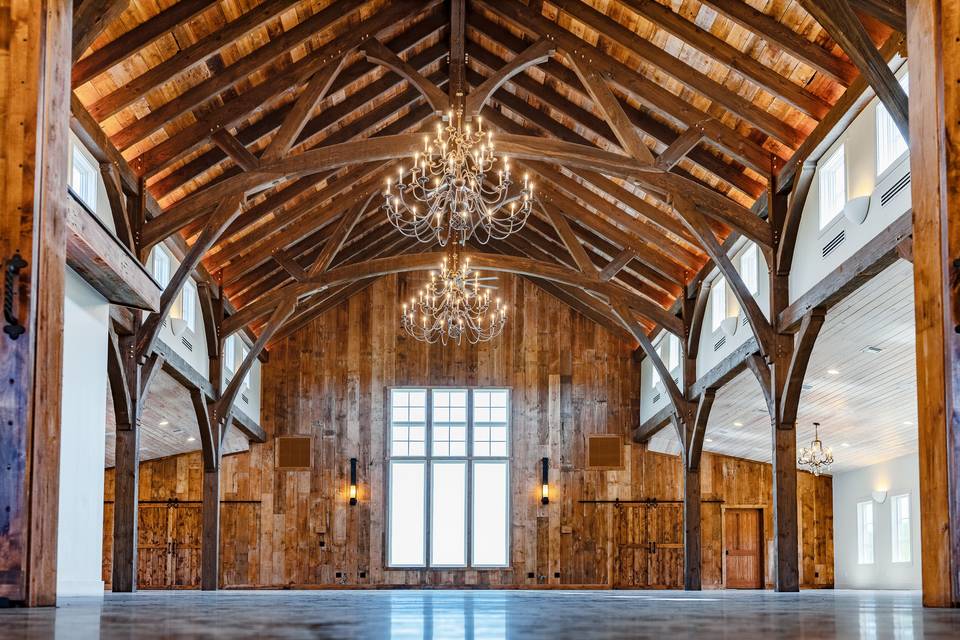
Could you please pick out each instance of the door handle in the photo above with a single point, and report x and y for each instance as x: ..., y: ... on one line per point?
x: 11, y: 274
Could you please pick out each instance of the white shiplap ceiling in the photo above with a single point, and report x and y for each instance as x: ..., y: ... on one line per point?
x: 866, y: 402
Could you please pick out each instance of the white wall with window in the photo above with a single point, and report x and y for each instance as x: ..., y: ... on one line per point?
x: 866, y: 169
x: 448, y: 495
x: 653, y: 394
x: 876, y: 544
x: 85, y: 182
x: 236, y: 347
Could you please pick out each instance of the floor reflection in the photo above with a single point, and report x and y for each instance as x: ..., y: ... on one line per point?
x: 488, y: 615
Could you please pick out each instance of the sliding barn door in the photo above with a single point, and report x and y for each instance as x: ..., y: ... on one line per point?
x: 632, y: 546
x: 153, y: 558
x: 665, y: 531
x: 185, y: 531
x: 743, y: 556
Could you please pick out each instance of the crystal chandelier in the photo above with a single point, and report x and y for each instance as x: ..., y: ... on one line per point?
x: 817, y: 457
x: 455, y: 304
x: 451, y: 190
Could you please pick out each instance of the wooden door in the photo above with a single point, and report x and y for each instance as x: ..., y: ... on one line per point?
x: 153, y: 566
x: 632, y: 546
x: 665, y: 532
x: 240, y: 544
x: 743, y: 551
x: 186, y: 524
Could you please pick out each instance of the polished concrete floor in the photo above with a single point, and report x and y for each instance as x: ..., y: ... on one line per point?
x: 485, y: 615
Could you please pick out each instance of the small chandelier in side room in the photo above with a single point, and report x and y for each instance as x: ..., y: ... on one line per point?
x: 817, y: 457
x: 454, y: 305
x: 453, y: 190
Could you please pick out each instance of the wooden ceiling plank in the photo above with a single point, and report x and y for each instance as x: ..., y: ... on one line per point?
x: 613, y: 113
x: 375, y: 51
x: 843, y: 25
x: 537, y: 53
x: 674, y: 67
x: 185, y: 59
x: 587, y: 119
x: 648, y: 92
x: 135, y: 39
x: 786, y: 39
x: 90, y: 19
x: 323, y: 21
x: 300, y: 112
x: 740, y: 61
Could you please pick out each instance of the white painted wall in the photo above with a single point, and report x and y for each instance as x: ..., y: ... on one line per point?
x: 860, y: 151
x: 897, y: 476
x: 80, y: 523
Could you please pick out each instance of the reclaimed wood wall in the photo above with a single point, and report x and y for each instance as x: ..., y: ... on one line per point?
x: 570, y: 378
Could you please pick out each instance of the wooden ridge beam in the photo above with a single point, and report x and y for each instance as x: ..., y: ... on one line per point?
x: 458, y: 62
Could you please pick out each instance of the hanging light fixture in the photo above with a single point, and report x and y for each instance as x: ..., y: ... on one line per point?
x: 817, y: 457
x: 454, y: 305
x: 454, y: 189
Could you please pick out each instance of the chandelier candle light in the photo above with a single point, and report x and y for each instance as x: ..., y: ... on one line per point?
x: 817, y: 457
x: 450, y: 192
x: 453, y: 305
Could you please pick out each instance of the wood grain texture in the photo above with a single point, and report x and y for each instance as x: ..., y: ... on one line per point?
x: 569, y: 377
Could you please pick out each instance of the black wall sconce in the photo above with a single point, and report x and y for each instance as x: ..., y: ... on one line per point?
x: 353, y: 481
x: 544, y: 483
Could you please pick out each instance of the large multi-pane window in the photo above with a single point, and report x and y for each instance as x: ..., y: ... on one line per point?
x: 865, y: 532
x: 448, y: 495
x: 890, y: 142
x: 900, y: 527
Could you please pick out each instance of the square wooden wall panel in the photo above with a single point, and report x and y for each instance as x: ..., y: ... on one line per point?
x: 294, y: 453
x: 604, y: 452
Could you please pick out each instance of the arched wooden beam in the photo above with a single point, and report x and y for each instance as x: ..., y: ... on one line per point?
x: 806, y: 338
x: 376, y: 51
x: 402, y: 145
x: 537, y: 53
x: 480, y: 261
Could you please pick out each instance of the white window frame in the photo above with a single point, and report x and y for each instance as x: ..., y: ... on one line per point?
x: 83, y: 177
x: 244, y: 352
x: 230, y: 354
x: 896, y: 518
x: 866, y: 532
x: 718, y: 302
x: 833, y: 197
x: 673, y: 352
x: 188, y: 305
x: 891, y: 146
x: 157, y: 258
x: 428, y: 459
x: 750, y: 268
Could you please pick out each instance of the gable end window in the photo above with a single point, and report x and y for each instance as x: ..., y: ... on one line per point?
x: 833, y: 187
x: 890, y: 143
x: 718, y: 303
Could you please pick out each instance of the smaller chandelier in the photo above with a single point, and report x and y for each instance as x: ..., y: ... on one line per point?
x: 817, y: 457
x: 451, y: 191
x: 454, y: 305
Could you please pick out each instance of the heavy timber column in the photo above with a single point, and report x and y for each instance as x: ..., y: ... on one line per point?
x: 933, y: 31
x: 35, y: 51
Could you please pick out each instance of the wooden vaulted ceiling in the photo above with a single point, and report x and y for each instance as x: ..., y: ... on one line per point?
x: 723, y: 92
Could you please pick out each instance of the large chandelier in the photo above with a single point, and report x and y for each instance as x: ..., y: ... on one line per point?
x: 454, y: 305
x: 451, y: 191
x: 817, y: 457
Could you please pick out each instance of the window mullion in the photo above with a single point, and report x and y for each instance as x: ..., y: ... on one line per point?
x: 428, y: 489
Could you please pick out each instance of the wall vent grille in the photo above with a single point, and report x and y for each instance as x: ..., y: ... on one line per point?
x: 294, y: 452
x: 833, y: 244
x: 245, y: 399
x: 656, y: 398
x: 744, y: 321
x: 894, y: 189
x: 604, y: 452
x: 719, y: 343
x: 187, y: 344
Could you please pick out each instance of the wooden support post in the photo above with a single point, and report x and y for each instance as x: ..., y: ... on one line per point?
x: 210, y: 542
x: 934, y: 43
x: 127, y: 471
x: 35, y: 58
x: 691, y: 529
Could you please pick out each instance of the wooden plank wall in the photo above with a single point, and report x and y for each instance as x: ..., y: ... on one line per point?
x: 570, y: 378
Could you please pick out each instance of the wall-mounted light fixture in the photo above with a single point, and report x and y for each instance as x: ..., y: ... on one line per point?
x: 544, y: 483
x: 353, y: 481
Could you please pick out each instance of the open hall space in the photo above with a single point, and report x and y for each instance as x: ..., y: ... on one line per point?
x: 479, y: 318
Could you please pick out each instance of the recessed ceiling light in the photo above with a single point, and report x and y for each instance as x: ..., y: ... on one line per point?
x: 738, y: 424
x: 871, y: 349
x: 907, y: 423
x: 191, y: 439
x: 806, y: 386
x: 833, y: 372
x: 844, y: 444
x: 708, y: 439
x: 164, y: 423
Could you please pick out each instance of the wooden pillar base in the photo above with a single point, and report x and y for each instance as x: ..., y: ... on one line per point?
x: 785, y: 548
x: 691, y: 530
x: 210, y: 544
x: 125, y: 510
